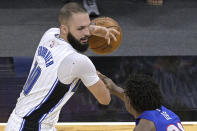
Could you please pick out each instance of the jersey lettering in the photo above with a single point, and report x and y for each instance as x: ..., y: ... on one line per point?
x: 165, y: 115
x: 46, y: 54
x: 32, y: 78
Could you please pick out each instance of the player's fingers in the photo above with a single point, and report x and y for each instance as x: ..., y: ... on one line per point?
x: 114, y: 31
x: 100, y: 75
x: 102, y: 78
x: 107, y: 35
x: 113, y: 37
x: 98, y: 72
x: 108, y: 41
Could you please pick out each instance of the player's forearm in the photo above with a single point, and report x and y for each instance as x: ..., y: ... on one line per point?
x: 91, y: 29
x: 119, y: 92
x: 97, y: 30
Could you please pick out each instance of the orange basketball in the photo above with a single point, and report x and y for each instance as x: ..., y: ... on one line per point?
x: 98, y: 44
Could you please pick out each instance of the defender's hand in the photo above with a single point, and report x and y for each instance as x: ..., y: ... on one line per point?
x: 101, y: 31
x: 113, y: 88
x: 108, y: 82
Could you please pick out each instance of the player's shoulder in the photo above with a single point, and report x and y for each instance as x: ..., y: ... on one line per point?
x: 50, y: 34
x: 52, y: 31
x: 151, y: 115
x: 79, y: 58
x: 78, y: 62
x: 51, y: 38
x: 170, y: 113
x: 145, y: 125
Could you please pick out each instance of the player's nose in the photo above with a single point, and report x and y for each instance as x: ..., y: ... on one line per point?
x: 87, y: 32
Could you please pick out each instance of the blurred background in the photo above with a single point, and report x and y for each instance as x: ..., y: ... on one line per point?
x: 159, y: 39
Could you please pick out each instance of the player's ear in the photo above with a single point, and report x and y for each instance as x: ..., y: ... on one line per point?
x: 64, y: 29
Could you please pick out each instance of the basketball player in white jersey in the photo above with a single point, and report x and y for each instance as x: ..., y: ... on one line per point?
x: 57, y: 70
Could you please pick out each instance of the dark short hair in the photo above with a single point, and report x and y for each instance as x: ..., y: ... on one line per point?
x: 68, y: 9
x: 144, y: 93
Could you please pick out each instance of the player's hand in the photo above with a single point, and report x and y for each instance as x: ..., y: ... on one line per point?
x: 107, y: 33
x: 108, y: 82
x: 113, y: 88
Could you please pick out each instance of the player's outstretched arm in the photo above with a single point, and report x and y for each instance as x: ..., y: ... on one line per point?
x: 100, y: 92
x: 81, y: 67
x: 114, y: 89
x: 104, y: 32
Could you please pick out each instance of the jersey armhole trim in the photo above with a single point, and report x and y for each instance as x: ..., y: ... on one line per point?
x: 93, y: 82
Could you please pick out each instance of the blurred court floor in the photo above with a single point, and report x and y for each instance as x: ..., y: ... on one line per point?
x: 128, y: 126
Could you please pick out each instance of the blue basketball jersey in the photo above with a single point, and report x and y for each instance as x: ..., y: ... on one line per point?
x: 163, y: 118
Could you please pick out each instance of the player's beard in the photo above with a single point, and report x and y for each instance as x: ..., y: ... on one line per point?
x: 76, y: 44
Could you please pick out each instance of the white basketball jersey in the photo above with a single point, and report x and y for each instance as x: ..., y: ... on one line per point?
x: 43, y: 94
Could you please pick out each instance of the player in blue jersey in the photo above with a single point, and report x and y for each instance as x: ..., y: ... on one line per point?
x: 143, y: 99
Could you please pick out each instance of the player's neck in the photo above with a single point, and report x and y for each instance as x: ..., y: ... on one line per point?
x: 63, y: 37
x: 136, y: 114
x: 133, y: 112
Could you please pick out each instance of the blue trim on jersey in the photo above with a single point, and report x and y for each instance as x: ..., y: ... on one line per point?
x: 77, y: 84
x: 58, y: 37
x: 44, y: 116
x: 75, y: 87
x: 22, y: 125
x: 40, y: 121
x: 46, y: 97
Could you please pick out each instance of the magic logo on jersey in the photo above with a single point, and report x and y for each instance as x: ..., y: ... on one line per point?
x: 46, y: 54
x: 58, y: 37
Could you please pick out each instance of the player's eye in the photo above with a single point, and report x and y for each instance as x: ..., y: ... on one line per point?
x: 81, y: 28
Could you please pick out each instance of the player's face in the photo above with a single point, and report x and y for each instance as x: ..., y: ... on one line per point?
x: 78, y: 33
x: 127, y: 104
x: 76, y: 44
